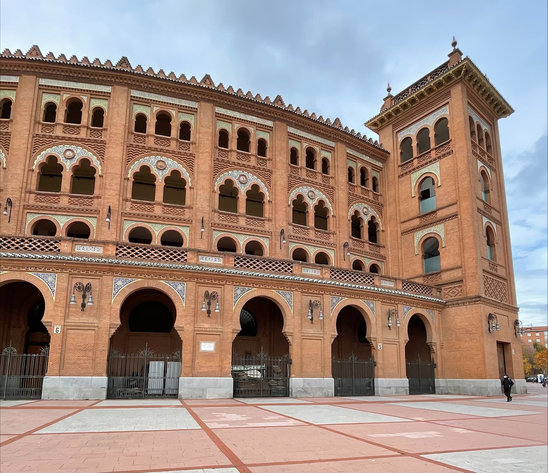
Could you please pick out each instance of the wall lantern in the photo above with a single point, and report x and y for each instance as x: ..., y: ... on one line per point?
x: 7, y: 208
x: 393, y: 318
x: 492, y: 323
x: 312, y: 306
x: 87, y: 298
x: 209, y: 297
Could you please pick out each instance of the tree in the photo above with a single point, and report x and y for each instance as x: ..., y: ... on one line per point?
x: 541, y: 360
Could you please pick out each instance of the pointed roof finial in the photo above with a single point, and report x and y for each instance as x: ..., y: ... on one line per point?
x: 389, y: 89
x: 454, y: 43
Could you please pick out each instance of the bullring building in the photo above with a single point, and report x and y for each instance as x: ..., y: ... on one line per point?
x: 172, y: 237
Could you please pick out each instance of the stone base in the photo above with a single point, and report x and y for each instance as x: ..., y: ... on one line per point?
x: 74, y: 387
x: 205, y: 388
x: 311, y: 387
x: 391, y: 386
x: 477, y: 387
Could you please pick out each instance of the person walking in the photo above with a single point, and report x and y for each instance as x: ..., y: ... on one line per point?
x: 507, y: 384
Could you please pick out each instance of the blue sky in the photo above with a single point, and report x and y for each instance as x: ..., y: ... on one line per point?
x: 334, y: 58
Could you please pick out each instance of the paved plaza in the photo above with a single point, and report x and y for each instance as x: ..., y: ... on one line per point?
x: 427, y: 434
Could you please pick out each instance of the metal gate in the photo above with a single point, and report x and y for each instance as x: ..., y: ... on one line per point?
x: 22, y: 375
x: 143, y: 375
x: 261, y: 375
x: 421, y: 376
x: 354, y: 377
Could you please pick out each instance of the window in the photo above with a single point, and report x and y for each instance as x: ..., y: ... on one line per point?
x: 83, y: 178
x: 321, y: 258
x: 406, y: 150
x: 228, y: 197
x: 51, y: 175
x: 375, y: 184
x: 163, y: 124
x: 294, y: 157
x: 261, y: 147
x: 140, y: 235
x: 78, y: 230
x: 171, y: 238
x: 431, y: 255
x: 372, y: 230
x: 423, y: 141
x: 140, y: 123
x: 356, y: 225
x: 320, y: 216
x: 97, y: 117
x: 490, y: 240
x: 374, y: 269
x: 44, y: 227
x: 144, y: 185
x: 310, y: 158
x: 427, y: 195
x: 357, y: 265
x: 364, y: 179
x: 184, y: 131
x: 441, y: 131
x: 254, y: 201
x: 242, y: 142
x: 174, y: 189
x: 299, y: 254
x: 50, y: 112
x: 484, y: 181
x: 226, y: 244
x: 73, y: 112
x: 223, y: 139
x: 325, y: 166
x: 351, y: 175
x: 300, y: 209
x: 472, y: 126
x: 5, y: 110
x: 254, y: 248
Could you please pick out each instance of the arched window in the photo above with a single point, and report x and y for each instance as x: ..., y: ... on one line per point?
x: 73, y: 112
x: 480, y: 135
x: 50, y: 112
x: 171, y: 238
x: 350, y: 173
x: 374, y: 268
x: 254, y: 202
x: 144, y: 185
x: 51, y: 175
x: 364, y: 179
x: 490, y: 239
x: 163, y: 124
x: 184, y: 131
x: 406, y: 150
x: 44, y: 227
x: 372, y: 230
x: 140, y: 235
x: 228, y: 197
x: 254, y: 248
x: 320, y: 216
x: 261, y: 147
x: 294, y: 157
x: 5, y: 110
x: 226, y: 244
x: 174, y: 189
x: 423, y: 141
x: 375, y: 184
x: 431, y: 255
x: 83, y: 178
x: 97, y: 117
x: 325, y: 166
x: 485, y: 193
x: 223, y: 139
x: 488, y: 145
x: 472, y: 126
x: 427, y: 195
x: 356, y: 225
x: 300, y: 209
x: 441, y: 131
x: 140, y: 123
x: 321, y: 258
x: 300, y: 254
x: 78, y: 230
x: 357, y: 265
x: 242, y: 142
x: 310, y: 158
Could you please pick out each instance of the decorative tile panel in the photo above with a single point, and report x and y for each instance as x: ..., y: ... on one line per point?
x: 312, y: 249
x: 244, y: 180
x: 370, y: 305
x: 334, y: 302
x: 434, y: 168
x: 98, y: 103
x: 406, y: 309
x: 156, y: 227
x: 356, y: 154
x: 311, y: 195
x: 178, y: 287
x: 14, y: 79
x: 119, y: 284
x: 144, y: 109
x: 426, y: 121
x: 75, y: 85
x: 365, y: 211
x: 288, y: 297
x: 437, y: 229
x: 55, y: 98
x: 243, y: 116
x: 238, y: 293
x: 63, y: 219
x: 304, y: 134
x: 160, y: 166
x: 69, y: 156
x: 242, y: 238
x: 7, y: 94
x: 487, y: 170
x: 493, y: 224
x: 50, y: 279
x: 163, y: 98
x: 478, y: 119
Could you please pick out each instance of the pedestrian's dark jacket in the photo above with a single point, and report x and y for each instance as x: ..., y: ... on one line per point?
x: 507, y: 384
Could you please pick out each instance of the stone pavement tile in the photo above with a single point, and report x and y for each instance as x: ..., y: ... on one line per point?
x: 425, y: 437
x: 316, y: 414
x: 392, y: 409
x: 274, y: 400
x: 465, y: 408
x: 118, y: 451
x: 8, y: 403
x: 125, y: 419
x: 507, y: 460
x: 245, y: 416
x: 19, y: 421
x: 62, y: 403
x: 138, y: 402
x: 299, y: 443
x: 213, y: 402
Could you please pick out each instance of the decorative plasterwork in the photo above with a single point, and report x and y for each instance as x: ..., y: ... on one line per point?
x: 437, y: 229
x: 119, y: 283
x: 312, y: 249
x: 478, y: 119
x: 185, y: 117
x: 357, y: 154
x: 75, y: 85
x: 488, y: 221
x: 487, y: 170
x: 2, y: 158
x: 240, y: 237
x: 239, y: 291
x: 160, y: 166
x: 163, y: 98
x: 62, y: 219
x: 365, y: 210
x: 50, y: 279
x: 55, y: 98
x: 243, y: 179
x: 14, y: 79
x: 288, y: 297
x: 69, y: 156
x: 179, y: 288
x: 334, y: 302
x: 243, y: 116
x: 434, y: 168
x: 426, y: 121
x: 7, y: 94
x: 311, y: 196
x: 144, y: 109
x: 406, y: 309
x: 156, y: 227
x: 103, y: 103
x: 310, y: 136
x: 370, y: 305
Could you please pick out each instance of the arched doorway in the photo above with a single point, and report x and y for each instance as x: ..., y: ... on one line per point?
x: 145, y: 351
x: 353, y: 366
x: 260, y: 352
x: 24, y: 341
x: 419, y: 364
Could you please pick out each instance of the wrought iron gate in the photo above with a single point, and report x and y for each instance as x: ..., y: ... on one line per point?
x: 421, y: 376
x: 143, y: 375
x: 22, y: 375
x: 354, y: 377
x: 261, y: 375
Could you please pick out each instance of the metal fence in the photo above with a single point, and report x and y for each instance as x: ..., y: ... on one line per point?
x: 261, y: 375
x: 421, y: 376
x: 354, y: 377
x: 22, y: 375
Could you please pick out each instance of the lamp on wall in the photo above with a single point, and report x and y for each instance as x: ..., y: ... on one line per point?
x: 346, y: 251
x: 7, y: 208
x: 87, y: 298
x: 202, y: 229
x: 282, y: 238
x: 393, y: 318
x: 518, y: 328
x: 492, y: 323
x: 312, y: 306
x: 109, y: 215
x: 209, y: 297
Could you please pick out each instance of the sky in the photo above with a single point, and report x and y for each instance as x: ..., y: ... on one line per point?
x: 334, y: 58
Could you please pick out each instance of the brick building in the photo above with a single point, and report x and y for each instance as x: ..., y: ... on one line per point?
x: 164, y: 236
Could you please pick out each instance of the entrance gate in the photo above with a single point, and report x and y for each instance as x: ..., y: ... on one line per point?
x: 354, y: 377
x: 143, y: 375
x: 22, y: 375
x: 261, y: 375
x: 421, y: 377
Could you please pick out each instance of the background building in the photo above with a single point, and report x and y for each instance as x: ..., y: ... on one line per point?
x: 164, y: 236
